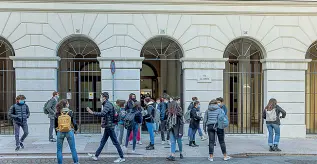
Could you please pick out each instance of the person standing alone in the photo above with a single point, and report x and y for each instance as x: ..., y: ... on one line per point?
x: 50, y: 110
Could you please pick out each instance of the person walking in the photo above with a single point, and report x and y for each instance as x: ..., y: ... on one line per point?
x: 194, y: 123
x: 211, y: 125
x: 132, y: 120
x: 19, y: 113
x: 66, y: 126
x: 271, y: 114
x: 175, y: 125
x: 163, y: 119
x: 122, y: 114
x: 149, y: 119
x: 50, y: 109
x: 108, y: 123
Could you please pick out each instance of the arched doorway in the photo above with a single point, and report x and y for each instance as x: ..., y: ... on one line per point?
x: 7, y: 86
x: 163, y: 54
x: 311, y: 90
x: 149, y: 81
x: 79, y: 80
x: 243, y: 86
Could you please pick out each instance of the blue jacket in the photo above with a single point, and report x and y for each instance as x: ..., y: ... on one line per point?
x: 19, y: 113
x: 122, y: 114
x: 224, y: 108
x: 162, y: 107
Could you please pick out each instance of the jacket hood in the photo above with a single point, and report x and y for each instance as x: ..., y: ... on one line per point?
x: 150, y: 103
x: 213, y: 107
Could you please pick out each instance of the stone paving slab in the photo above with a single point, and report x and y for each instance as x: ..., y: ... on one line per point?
x: 236, y: 144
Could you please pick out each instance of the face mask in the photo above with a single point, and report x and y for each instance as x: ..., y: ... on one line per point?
x: 67, y: 105
x: 57, y: 96
x: 165, y: 101
x: 157, y: 102
x: 219, y: 104
x: 101, y: 99
x: 21, y: 101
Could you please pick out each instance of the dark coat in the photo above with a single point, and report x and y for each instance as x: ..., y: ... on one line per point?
x: 107, y: 115
x: 178, y: 129
x: 71, y: 114
x: 195, y: 119
x: 19, y: 113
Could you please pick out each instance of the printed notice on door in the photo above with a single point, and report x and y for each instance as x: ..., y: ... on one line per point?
x: 91, y: 95
x: 69, y: 95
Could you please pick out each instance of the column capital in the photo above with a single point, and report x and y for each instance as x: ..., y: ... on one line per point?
x: 121, y: 62
x: 285, y: 64
x: 203, y: 63
x: 35, y: 62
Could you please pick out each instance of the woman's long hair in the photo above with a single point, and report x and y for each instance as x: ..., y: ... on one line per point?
x: 173, y: 108
x: 271, y: 105
x: 60, y: 105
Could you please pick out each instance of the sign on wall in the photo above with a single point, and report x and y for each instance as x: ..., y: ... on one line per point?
x: 204, y: 79
x: 69, y: 95
x: 91, y: 95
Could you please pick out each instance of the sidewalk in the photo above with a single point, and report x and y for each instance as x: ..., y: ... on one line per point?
x: 236, y: 145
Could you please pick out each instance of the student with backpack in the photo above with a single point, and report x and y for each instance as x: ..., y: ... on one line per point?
x: 157, y: 115
x: 50, y: 110
x: 194, y: 123
x: 19, y: 113
x: 271, y: 114
x: 175, y: 126
x: 109, y: 120
x: 215, y: 121
x: 163, y: 118
x: 131, y: 122
x: 66, y: 126
x: 117, y: 109
x: 122, y: 114
x: 149, y: 120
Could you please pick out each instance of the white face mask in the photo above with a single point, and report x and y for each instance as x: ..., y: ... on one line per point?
x: 101, y: 99
x: 67, y: 105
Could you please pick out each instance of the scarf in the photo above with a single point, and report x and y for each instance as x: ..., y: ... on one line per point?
x: 172, y: 117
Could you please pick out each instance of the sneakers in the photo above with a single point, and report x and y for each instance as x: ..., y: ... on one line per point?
x: 17, y: 148
x: 133, y: 151
x: 203, y: 138
x: 139, y: 142
x: 130, y: 143
x: 52, y: 140
x: 210, y: 159
x: 21, y: 144
x: 163, y: 142
x: 151, y: 147
x: 276, y: 148
x: 170, y: 158
x: 181, y: 156
x: 93, y: 157
x: 226, y: 158
x: 271, y: 148
x: 119, y: 160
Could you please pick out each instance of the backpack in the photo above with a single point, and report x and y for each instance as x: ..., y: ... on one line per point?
x: 271, y: 115
x: 223, y: 121
x: 116, y: 118
x: 64, y: 122
x: 45, y: 107
x: 128, y: 120
x: 187, y: 116
x: 157, y: 115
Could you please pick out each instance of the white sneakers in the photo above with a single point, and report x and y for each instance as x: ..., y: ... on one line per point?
x: 93, y: 157
x: 163, y: 142
x: 226, y: 158
x: 130, y: 143
x: 203, y: 138
x: 119, y: 160
x: 139, y: 142
x: 133, y: 151
x: 210, y: 159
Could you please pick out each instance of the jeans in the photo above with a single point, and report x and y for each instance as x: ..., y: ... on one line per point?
x: 212, y: 136
x: 156, y: 126
x: 163, y: 130
x: 71, y: 142
x: 25, y: 129
x: 276, y: 128
x: 199, y: 131
x: 120, y: 129
x: 109, y: 133
x: 173, y: 143
x: 193, y: 134
x: 138, y: 136
x: 134, y: 130
x: 50, y: 130
x: 151, y: 131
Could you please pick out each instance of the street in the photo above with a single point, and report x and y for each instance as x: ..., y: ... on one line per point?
x: 141, y: 160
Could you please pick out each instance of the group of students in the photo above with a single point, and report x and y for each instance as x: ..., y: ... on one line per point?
x: 130, y: 115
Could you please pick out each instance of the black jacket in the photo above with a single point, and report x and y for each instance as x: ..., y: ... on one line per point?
x: 195, y: 119
x: 150, y: 113
x: 19, y: 113
x: 107, y: 115
x: 279, y: 110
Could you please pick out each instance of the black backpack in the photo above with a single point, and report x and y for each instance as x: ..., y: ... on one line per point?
x: 128, y: 120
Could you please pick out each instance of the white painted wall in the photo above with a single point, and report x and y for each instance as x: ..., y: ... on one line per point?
x: 121, y: 36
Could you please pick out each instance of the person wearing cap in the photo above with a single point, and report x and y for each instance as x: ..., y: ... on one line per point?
x: 107, y: 114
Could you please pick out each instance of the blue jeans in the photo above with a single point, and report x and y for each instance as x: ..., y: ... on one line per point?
x: 276, y: 128
x: 173, y: 143
x: 193, y: 134
x: 25, y: 129
x: 190, y: 131
x: 150, y: 129
x: 134, y: 129
x: 109, y: 133
x: 71, y: 142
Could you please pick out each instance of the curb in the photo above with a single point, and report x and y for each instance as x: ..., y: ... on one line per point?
x: 246, y: 155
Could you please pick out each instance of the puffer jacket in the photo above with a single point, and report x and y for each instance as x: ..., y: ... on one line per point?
x: 162, y: 107
x: 150, y: 113
x: 194, y: 118
x: 107, y: 115
x: 19, y: 113
x: 211, y: 115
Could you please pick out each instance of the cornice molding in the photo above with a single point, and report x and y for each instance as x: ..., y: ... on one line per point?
x: 120, y: 58
x: 121, y: 62
x: 194, y: 7
x: 204, y: 63
x: 27, y: 58
x: 285, y: 64
x: 35, y: 62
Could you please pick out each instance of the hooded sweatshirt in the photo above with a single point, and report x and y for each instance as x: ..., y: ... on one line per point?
x: 211, y: 115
